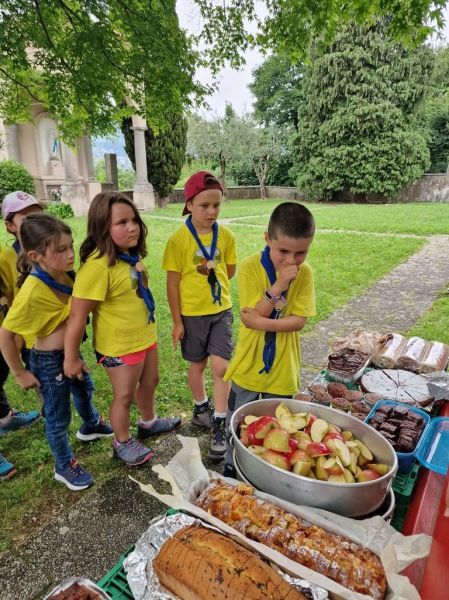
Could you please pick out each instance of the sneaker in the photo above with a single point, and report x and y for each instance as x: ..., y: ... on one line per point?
x: 19, y: 420
x: 7, y: 469
x: 202, y: 415
x: 229, y: 471
x: 160, y: 426
x: 132, y: 452
x: 75, y: 476
x: 218, y: 442
x: 87, y: 433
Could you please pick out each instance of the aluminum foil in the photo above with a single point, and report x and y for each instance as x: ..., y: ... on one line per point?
x: 138, y: 565
x: 87, y: 583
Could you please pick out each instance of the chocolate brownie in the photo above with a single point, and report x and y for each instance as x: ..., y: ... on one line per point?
x: 383, y: 410
x: 400, y: 412
x: 387, y: 427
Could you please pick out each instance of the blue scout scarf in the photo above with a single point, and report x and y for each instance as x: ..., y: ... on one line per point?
x: 212, y: 280
x: 145, y: 292
x: 269, y: 349
x: 16, y: 246
x: 48, y: 280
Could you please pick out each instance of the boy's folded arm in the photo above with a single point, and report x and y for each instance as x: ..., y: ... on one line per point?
x: 252, y: 319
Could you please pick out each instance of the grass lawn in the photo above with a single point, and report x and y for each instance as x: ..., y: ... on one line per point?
x: 344, y: 265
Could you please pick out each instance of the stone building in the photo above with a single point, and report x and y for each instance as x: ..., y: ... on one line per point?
x: 64, y: 173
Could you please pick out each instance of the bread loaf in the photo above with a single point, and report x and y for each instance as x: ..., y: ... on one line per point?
x: 411, y: 355
x: 331, y: 555
x: 198, y: 563
x: 389, y: 353
x: 434, y: 358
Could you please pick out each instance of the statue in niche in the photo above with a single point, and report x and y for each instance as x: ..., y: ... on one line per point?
x: 54, y: 145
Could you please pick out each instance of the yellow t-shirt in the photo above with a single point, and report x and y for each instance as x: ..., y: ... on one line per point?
x: 36, y: 310
x: 8, y: 271
x: 283, y: 377
x: 120, y: 317
x: 183, y: 256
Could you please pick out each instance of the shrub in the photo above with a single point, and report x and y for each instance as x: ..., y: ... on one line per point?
x: 60, y: 210
x: 14, y: 177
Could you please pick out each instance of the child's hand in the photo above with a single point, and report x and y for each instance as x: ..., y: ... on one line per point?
x: 252, y: 319
x: 177, y: 334
x: 286, y: 275
x: 27, y: 380
x: 75, y: 368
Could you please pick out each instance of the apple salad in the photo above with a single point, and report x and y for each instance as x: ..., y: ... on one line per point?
x: 309, y: 446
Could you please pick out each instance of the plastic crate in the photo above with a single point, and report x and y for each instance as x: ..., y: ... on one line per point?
x: 404, y: 483
x: 115, y: 583
x: 399, y: 515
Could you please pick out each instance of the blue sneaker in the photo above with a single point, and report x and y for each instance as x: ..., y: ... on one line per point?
x: 88, y: 434
x: 160, y: 426
x: 19, y: 420
x: 75, y: 476
x: 7, y: 469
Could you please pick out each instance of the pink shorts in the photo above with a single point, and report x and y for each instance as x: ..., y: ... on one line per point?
x: 133, y: 358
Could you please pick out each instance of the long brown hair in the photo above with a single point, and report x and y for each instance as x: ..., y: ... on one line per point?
x: 98, y: 223
x: 38, y: 231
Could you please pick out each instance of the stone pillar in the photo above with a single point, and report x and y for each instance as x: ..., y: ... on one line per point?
x: 143, y: 190
x: 89, y: 158
x: 73, y: 191
x: 12, y: 142
x: 111, y: 170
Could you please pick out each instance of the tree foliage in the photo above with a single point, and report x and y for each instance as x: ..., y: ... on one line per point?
x: 88, y: 55
x: 165, y: 153
x: 357, y: 129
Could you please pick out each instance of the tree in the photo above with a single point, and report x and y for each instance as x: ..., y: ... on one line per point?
x: 88, y: 56
x: 276, y: 87
x: 165, y: 154
x: 357, y: 129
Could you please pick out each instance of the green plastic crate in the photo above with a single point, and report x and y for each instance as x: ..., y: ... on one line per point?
x: 115, y: 583
x: 404, y: 483
x: 399, y: 515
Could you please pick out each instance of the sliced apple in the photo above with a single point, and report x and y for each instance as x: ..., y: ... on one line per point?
x: 244, y: 438
x: 320, y: 472
x: 353, y: 447
x: 312, y: 475
x: 333, y: 435
x: 362, y: 461
x: 317, y: 449
x: 250, y: 419
x: 258, y: 429
x: 282, y: 411
x: 333, y: 466
x: 367, y: 475
x: 302, y: 444
x: 349, y: 477
x: 298, y: 435
x: 353, y: 465
x: 310, y: 420
x: 302, y: 468
x: 292, y: 423
x: 343, y: 452
x: 365, y: 451
x: 334, y: 428
x: 336, y: 479
x: 318, y: 430
x: 347, y: 435
x: 276, y: 458
x: 301, y: 455
x: 277, y: 439
x: 380, y: 468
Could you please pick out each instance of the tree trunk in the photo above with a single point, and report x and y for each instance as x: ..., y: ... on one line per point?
x: 261, y: 171
x: 222, y: 158
x: 161, y: 201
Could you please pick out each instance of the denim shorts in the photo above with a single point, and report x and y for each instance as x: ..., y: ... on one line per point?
x: 206, y: 335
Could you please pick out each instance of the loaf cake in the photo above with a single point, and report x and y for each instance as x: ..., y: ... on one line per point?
x: 198, y: 563
x: 336, y: 557
x: 76, y: 592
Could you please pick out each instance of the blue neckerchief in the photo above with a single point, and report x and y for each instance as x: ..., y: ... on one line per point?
x: 48, y: 280
x: 215, y: 286
x: 16, y: 246
x: 132, y: 259
x: 269, y: 349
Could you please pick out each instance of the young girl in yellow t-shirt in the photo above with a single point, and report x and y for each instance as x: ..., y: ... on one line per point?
x: 40, y: 311
x: 112, y: 284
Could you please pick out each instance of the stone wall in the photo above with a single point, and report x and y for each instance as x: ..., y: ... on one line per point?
x: 432, y: 187
x: 248, y: 192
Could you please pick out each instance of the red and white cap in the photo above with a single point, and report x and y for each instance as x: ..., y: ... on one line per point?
x: 197, y: 183
x: 15, y: 202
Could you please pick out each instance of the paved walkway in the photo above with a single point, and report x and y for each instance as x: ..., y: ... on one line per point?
x: 88, y: 539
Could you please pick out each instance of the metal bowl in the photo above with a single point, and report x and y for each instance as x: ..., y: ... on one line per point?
x: 347, y: 499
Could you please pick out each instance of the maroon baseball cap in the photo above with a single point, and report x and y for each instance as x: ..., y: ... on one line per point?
x: 197, y: 183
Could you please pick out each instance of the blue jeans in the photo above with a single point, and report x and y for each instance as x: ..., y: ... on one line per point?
x: 55, y: 389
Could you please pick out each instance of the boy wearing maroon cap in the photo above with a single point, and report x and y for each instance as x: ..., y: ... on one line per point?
x: 200, y: 259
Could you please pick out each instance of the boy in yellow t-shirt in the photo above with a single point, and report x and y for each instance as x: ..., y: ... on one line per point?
x: 276, y: 296
x: 200, y: 259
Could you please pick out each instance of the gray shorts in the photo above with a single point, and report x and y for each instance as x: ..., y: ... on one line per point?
x: 206, y: 335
